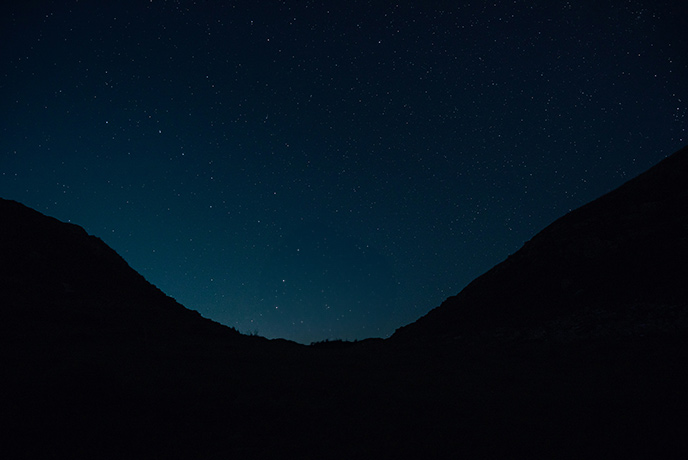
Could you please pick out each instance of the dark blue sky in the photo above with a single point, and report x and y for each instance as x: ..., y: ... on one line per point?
x: 314, y: 170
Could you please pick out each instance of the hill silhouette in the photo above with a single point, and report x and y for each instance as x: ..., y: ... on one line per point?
x: 575, y: 346
x: 623, y: 252
x: 56, y: 276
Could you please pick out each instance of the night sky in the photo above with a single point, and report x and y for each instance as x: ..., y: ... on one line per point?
x: 312, y: 169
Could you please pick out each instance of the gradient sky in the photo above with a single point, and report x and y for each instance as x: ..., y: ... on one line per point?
x: 312, y: 169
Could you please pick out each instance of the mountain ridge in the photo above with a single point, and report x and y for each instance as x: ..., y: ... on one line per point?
x: 535, y: 358
x: 54, y: 270
x: 626, y: 247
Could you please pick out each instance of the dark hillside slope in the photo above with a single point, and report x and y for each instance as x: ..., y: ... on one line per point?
x: 576, y: 346
x: 99, y: 363
x: 55, y: 275
x: 627, y: 250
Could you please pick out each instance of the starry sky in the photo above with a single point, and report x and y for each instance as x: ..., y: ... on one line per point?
x: 330, y: 170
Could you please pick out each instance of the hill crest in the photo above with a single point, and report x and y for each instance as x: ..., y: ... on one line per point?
x: 627, y: 248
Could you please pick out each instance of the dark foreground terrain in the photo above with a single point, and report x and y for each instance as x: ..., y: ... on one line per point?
x: 576, y: 346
